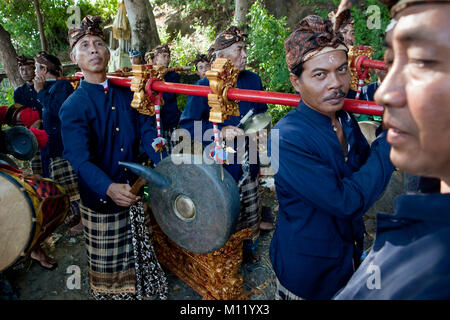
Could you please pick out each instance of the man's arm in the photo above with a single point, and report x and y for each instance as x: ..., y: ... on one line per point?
x: 304, y: 174
x: 147, y: 131
x: 76, y: 138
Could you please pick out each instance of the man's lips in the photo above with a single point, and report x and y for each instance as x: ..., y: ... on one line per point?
x: 395, y: 135
x: 96, y: 60
x: 335, y: 100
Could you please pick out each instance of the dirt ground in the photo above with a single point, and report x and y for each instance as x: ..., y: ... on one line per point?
x: 31, y: 282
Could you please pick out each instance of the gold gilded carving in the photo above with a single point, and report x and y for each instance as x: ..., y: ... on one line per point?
x: 213, y: 275
x: 141, y: 74
x: 222, y: 76
x: 353, y: 54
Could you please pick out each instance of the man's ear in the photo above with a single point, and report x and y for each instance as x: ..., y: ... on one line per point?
x: 295, y: 81
x: 73, y: 58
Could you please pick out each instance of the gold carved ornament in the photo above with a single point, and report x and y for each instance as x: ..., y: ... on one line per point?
x: 141, y: 75
x: 354, y: 54
x: 222, y: 76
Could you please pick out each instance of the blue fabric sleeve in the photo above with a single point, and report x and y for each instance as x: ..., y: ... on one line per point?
x: 75, y: 132
x: 317, y: 184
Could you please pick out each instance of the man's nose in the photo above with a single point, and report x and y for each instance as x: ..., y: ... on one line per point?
x: 391, y: 93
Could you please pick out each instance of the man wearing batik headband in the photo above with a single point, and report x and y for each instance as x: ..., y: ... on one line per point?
x: 410, y: 256
x: 230, y: 44
x: 51, y: 94
x: 170, y: 114
x: 328, y: 176
x: 25, y: 94
x: 99, y: 129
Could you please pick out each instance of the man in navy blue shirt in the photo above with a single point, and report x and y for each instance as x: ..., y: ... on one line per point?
x: 410, y: 256
x: 230, y: 44
x: 326, y: 175
x: 100, y: 129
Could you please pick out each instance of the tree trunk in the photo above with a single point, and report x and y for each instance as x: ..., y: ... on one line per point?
x: 240, y: 12
x: 8, y: 57
x: 44, y: 45
x: 144, y: 35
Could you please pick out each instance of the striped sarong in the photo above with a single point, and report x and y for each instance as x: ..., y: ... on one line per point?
x: 113, y: 241
x: 36, y: 164
x: 62, y: 173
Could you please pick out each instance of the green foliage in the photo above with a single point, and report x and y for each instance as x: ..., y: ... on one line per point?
x: 374, y: 36
x: 19, y: 19
x: 266, y: 53
x: 6, y: 93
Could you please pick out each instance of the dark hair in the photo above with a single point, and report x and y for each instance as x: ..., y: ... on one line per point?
x: 53, y: 64
x: 298, y: 70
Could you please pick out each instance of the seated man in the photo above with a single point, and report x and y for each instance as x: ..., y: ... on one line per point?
x: 327, y: 177
x: 99, y: 129
x: 410, y: 256
x: 230, y: 44
x: 170, y: 114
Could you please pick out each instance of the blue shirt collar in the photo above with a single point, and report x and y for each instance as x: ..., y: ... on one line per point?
x: 427, y: 207
x: 318, y: 117
x: 93, y: 86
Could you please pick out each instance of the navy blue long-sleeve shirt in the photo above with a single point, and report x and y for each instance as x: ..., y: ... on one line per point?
x: 52, y: 98
x: 197, y: 109
x: 410, y: 255
x: 99, y: 129
x: 170, y: 114
x: 322, y: 197
x: 27, y: 96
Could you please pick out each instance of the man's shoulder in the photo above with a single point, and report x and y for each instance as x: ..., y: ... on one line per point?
x: 79, y: 97
x: 247, y: 74
x: 292, y: 125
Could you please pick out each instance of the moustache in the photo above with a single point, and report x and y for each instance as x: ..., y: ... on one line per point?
x: 339, y: 93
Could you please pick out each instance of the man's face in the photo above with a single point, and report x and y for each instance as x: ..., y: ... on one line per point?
x: 202, y: 67
x: 162, y: 59
x: 349, y: 34
x: 324, y: 82
x: 27, y: 72
x: 136, y: 60
x: 237, y: 53
x: 416, y: 90
x: 40, y: 69
x: 91, y: 54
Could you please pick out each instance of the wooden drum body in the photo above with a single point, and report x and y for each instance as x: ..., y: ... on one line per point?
x: 30, y: 210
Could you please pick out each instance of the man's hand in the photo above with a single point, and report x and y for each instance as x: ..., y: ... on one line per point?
x: 231, y: 132
x: 121, y: 195
x: 39, y: 83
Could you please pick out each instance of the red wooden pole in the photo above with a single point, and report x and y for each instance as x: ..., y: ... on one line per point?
x: 286, y: 99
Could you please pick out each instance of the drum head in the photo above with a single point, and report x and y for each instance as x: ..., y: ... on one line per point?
x: 198, y: 211
x: 21, y: 143
x: 16, y: 220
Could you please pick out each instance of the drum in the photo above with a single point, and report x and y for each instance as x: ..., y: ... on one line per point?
x: 30, y: 210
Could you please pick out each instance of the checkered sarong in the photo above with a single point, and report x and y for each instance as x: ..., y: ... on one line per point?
x: 36, y: 164
x: 122, y: 262
x: 110, y: 252
x: 62, y: 173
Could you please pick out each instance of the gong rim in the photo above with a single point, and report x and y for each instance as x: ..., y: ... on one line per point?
x: 183, y: 228
x: 257, y: 122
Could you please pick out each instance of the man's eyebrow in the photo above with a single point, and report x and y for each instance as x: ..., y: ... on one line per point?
x: 413, y: 36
